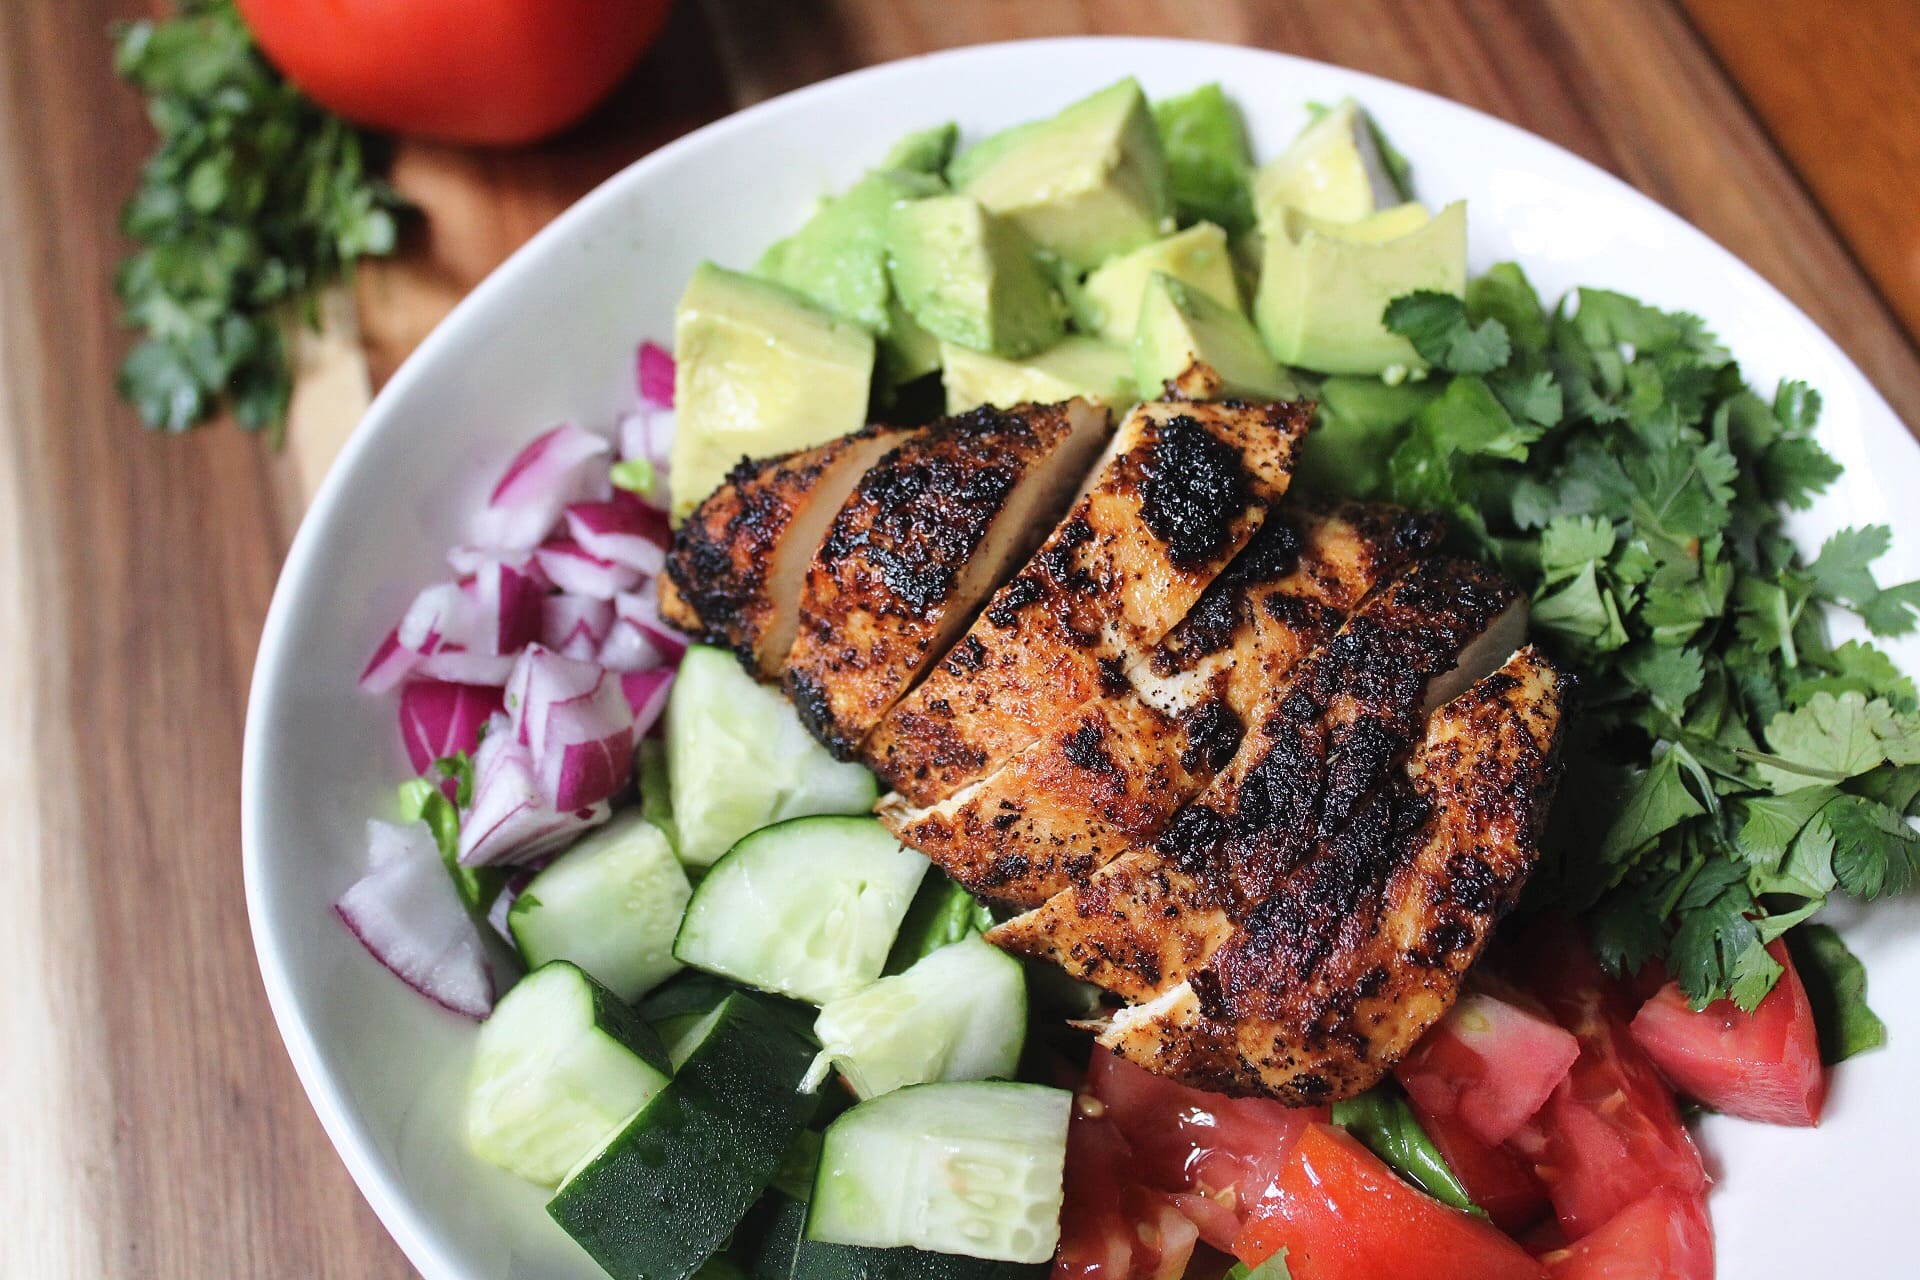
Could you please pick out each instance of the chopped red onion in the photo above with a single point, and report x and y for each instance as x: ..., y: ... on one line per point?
x: 503, y: 903
x: 623, y: 530
x: 575, y: 626
x: 389, y: 665
x: 646, y: 693
x: 409, y: 916
x: 628, y: 649
x: 563, y: 466
x: 654, y: 369
x: 507, y: 598
x: 642, y: 609
x: 588, y: 748
x: 510, y: 820
x: 438, y: 718
x: 572, y: 568
x: 460, y: 666
x: 441, y: 614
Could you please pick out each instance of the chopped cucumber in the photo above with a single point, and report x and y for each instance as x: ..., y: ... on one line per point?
x: 807, y: 909
x: 974, y: 1169
x: 611, y: 904
x: 959, y: 1014
x: 943, y: 912
x: 656, y: 796
x: 781, y: 1251
x: 739, y: 759
x: 662, y: 1195
x: 561, y: 1064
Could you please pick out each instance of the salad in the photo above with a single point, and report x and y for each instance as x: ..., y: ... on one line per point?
x: 733, y: 1025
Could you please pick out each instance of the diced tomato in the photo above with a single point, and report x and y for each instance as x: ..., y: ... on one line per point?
x: 1495, y: 1178
x: 1610, y: 1134
x: 1763, y: 1065
x: 1490, y: 1063
x: 1663, y: 1236
x: 1216, y: 1154
x: 1111, y: 1228
x: 1342, y: 1215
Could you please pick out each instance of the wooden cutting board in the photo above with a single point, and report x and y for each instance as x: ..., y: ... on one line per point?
x: 155, y: 1128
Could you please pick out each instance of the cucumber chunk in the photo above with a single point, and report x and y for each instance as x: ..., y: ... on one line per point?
x: 806, y: 909
x: 959, y: 1014
x: 973, y: 1169
x: 656, y: 793
x: 738, y: 759
x: 782, y: 1252
x: 662, y: 1195
x: 611, y: 904
x: 561, y: 1064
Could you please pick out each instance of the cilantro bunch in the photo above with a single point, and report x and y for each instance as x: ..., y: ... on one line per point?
x: 255, y: 201
x: 1730, y: 767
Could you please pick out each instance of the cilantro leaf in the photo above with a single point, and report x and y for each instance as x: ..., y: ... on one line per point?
x: 1658, y: 802
x: 1437, y: 326
x: 1836, y: 984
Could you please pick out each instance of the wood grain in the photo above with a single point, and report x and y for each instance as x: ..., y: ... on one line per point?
x: 155, y: 1128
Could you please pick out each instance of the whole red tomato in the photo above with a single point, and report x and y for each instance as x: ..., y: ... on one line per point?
x: 488, y: 71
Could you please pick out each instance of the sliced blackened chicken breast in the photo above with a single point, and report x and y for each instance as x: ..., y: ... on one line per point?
x: 928, y: 532
x: 740, y: 559
x: 1110, y: 775
x: 1354, y: 953
x: 1324, y: 741
x: 1185, y: 488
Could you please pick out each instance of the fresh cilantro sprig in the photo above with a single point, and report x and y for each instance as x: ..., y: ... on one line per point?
x: 1731, y: 767
x: 254, y: 202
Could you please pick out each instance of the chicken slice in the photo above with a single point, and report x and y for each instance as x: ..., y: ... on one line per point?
x: 739, y: 560
x: 930, y: 530
x: 1326, y: 739
x: 1342, y: 968
x: 1112, y: 774
x: 1184, y: 489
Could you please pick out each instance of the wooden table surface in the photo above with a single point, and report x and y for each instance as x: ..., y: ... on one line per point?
x: 154, y: 1126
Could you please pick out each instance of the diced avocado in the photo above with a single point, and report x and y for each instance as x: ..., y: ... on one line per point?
x: 1082, y: 365
x: 1333, y: 171
x: 1087, y: 184
x: 907, y: 350
x: 1209, y: 167
x: 1109, y: 301
x: 759, y: 371
x: 1359, y: 422
x: 927, y: 151
x: 1181, y: 326
x: 1325, y: 286
x: 971, y: 278
x: 838, y: 260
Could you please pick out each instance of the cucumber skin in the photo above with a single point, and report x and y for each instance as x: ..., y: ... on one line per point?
x: 784, y: 1253
x: 666, y: 1193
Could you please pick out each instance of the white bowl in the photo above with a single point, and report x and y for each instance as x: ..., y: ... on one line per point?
x: 550, y: 336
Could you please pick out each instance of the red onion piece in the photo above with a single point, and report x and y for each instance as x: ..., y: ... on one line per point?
x: 408, y: 915
x: 575, y: 626
x: 654, y: 370
x: 503, y: 903
x: 642, y: 609
x: 438, y: 718
x: 510, y: 820
x: 507, y: 598
x: 628, y: 649
x: 460, y: 666
x: 572, y: 568
x: 389, y: 665
x: 623, y: 530
x: 441, y: 614
x: 563, y: 466
x: 646, y: 693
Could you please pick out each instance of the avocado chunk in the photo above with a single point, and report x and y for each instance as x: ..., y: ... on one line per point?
x: 907, y: 351
x: 838, y: 259
x: 759, y: 371
x: 1334, y: 171
x: 1358, y: 424
x: 1085, y: 184
x: 1109, y: 301
x: 1081, y: 365
x: 1181, y: 326
x: 927, y: 151
x: 971, y: 278
x: 1324, y: 286
x: 1209, y: 166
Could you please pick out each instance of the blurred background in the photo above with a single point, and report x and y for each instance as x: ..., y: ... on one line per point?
x: 169, y: 399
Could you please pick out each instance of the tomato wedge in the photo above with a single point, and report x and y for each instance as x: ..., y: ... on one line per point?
x: 1611, y: 1133
x: 1495, y: 1178
x: 1663, y: 1236
x: 1342, y: 1215
x: 1763, y: 1065
x: 1110, y: 1227
x: 1217, y: 1155
x: 1490, y: 1063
